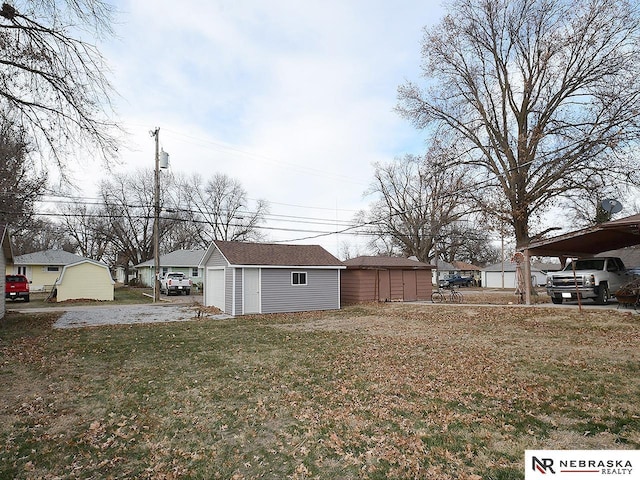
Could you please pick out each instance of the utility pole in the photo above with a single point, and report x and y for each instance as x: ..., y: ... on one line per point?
x: 156, y: 219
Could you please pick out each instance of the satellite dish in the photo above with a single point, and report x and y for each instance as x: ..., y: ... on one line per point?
x: 611, y: 206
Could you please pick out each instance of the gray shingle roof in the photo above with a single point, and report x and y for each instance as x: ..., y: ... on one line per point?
x: 385, y: 262
x: 177, y: 258
x: 47, y: 257
x: 240, y: 253
x: 442, y: 265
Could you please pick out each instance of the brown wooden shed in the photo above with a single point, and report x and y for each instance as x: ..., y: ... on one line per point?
x: 385, y: 279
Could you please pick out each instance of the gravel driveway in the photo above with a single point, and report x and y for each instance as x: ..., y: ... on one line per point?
x: 76, y: 317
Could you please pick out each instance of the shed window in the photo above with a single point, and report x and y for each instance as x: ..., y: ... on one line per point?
x: 298, y: 278
x: 53, y: 269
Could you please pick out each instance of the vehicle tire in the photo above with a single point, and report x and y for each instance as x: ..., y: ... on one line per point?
x: 26, y: 299
x: 437, y: 297
x: 556, y: 300
x: 187, y: 292
x: 603, y: 294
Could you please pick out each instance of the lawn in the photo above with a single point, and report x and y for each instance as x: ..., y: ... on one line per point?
x: 373, y: 391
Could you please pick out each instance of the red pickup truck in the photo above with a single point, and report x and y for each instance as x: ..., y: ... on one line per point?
x: 16, y: 286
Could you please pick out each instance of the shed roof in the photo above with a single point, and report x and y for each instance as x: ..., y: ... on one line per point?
x: 47, y: 257
x: 612, y: 235
x: 82, y: 262
x: 385, y: 262
x: 272, y: 254
x: 177, y: 258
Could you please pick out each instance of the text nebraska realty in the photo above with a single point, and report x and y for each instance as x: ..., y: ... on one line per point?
x: 605, y: 467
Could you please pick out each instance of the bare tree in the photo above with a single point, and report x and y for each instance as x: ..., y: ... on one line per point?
x: 21, y: 185
x: 87, y: 228
x: 417, y: 206
x: 220, y: 208
x: 52, y: 81
x: 544, y: 94
x: 40, y: 234
x: 129, y: 212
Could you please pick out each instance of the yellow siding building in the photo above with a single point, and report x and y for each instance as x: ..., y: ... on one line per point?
x: 85, y: 280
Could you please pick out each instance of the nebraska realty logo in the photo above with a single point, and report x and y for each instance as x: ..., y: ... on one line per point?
x: 579, y: 464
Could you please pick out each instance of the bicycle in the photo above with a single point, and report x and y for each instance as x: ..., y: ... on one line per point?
x: 454, y: 296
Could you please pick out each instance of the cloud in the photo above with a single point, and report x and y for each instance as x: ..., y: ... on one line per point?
x: 294, y: 99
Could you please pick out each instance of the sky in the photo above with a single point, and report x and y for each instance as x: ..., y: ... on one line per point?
x: 293, y: 98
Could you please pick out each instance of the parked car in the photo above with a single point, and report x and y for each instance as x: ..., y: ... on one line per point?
x: 16, y: 286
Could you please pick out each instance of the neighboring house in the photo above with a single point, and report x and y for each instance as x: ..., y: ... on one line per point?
x: 86, y: 279
x: 243, y: 278
x: 185, y: 261
x: 499, y: 276
x: 630, y: 256
x: 6, y: 256
x: 385, y: 279
x: 468, y: 270
x: 547, y: 267
x: 42, y: 268
x: 442, y: 271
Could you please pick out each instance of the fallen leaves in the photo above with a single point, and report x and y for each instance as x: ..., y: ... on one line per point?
x: 395, y: 391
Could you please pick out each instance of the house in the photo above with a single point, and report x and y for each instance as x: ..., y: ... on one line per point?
x: 185, y: 261
x: 441, y: 271
x: 243, y: 278
x: 503, y: 275
x: 86, y: 279
x: 42, y: 268
x: 468, y: 270
x: 5, y: 257
x: 384, y: 279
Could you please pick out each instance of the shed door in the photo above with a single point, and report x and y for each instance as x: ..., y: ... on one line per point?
x: 409, y: 283
x: 215, y: 288
x: 251, y: 290
x: 397, y: 285
x: 384, y: 286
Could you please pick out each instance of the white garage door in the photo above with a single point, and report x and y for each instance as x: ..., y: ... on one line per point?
x: 215, y: 288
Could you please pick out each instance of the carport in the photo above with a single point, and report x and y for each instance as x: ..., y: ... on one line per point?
x: 612, y: 235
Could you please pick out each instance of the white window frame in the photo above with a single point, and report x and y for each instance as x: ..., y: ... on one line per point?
x: 298, y: 275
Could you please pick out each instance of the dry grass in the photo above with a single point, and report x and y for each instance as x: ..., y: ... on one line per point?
x: 372, y: 391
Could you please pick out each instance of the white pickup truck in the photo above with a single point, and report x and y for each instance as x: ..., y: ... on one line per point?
x: 175, y: 282
x: 596, y: 278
